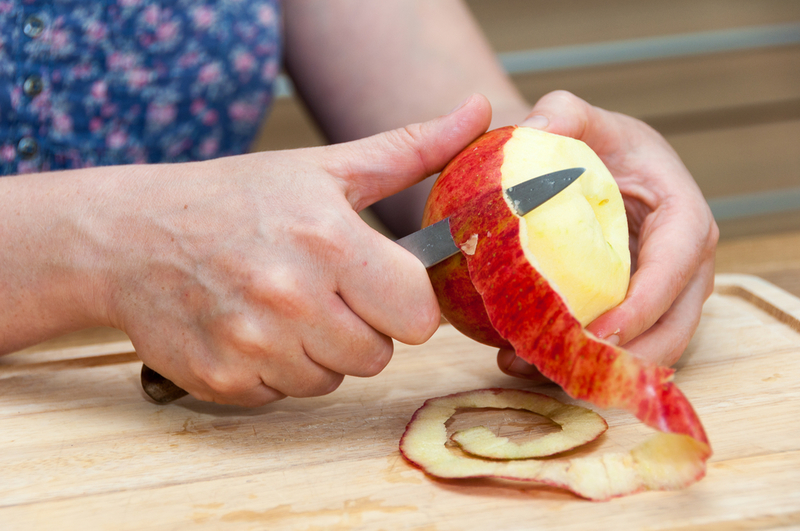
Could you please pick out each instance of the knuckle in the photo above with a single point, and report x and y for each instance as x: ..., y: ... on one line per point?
x: 257, y: 399
x: 632, y: 323
x: 410, y: 136
x: 243, y: 335
x: 713, y: 235
x: 562, y: 95
x: 672, y: 355
x: 425, y: 322
x: 376, y: 359
x: 320, y: 384
x: 410, y: 141
x: 324, y: 236
x: 282, y: 290
x: 223, y: 383
x: 563, y: 98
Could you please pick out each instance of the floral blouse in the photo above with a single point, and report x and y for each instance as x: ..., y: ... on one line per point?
x: 98, y: 82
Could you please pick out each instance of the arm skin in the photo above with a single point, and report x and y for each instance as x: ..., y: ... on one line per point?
x: 363, y: 67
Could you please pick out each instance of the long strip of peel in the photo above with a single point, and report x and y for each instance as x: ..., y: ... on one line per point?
x: 537, y: 323
x: 666, y: 461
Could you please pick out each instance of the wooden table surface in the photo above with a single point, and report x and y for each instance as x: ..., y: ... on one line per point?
x: 81, y: 447
x: 774, y: 257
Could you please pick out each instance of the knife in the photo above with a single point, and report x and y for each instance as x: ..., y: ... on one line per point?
x: 431, y: 245
x: 434, y: 243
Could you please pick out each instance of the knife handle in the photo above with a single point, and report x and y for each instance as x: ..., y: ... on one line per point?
x: 160, y: 389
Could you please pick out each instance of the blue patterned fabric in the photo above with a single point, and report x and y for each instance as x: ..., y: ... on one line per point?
x: 99, y: 82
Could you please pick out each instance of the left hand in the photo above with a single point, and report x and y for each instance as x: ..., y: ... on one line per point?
x: 673, y: 233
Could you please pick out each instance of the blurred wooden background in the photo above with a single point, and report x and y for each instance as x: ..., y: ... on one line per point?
x: 719, y: 78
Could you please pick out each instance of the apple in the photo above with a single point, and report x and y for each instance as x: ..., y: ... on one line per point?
x: 533, y: 283
x: 578, y: 240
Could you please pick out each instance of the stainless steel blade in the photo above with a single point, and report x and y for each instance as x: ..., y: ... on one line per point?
x: 434, y: 243
x: 534, y: 192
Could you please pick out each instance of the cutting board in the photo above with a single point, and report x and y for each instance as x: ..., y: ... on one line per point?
x: 81, y: 447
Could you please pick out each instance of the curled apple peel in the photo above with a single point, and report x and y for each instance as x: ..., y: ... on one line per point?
x: 579, y: 425
x: 665, y: 461
x: 503, y: 294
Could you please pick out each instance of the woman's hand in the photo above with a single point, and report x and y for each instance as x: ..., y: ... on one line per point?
x: 243, y: 279
x: 267, y: 283
x: 673, y: 233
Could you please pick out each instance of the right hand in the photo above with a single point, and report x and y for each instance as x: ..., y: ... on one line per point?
x: 250, y: 278
x: 673, y: 232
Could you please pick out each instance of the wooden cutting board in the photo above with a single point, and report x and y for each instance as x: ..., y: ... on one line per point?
x: 81, y: 447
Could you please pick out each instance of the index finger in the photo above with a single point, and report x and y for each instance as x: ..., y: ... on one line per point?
x: 388, y: 288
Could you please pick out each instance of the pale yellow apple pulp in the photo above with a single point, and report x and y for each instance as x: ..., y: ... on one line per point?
x: 578, y: 240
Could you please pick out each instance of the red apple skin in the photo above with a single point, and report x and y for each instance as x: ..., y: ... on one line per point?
x: 524, y: 311
x: 476, y: 170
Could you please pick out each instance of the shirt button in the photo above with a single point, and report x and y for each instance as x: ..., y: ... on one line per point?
x: 33, y: 86
x: 27, y: 148
x: 33, y: 26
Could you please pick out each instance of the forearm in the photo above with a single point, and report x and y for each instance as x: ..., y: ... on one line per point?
x: 59, y: 233
x: 367, y: 67
x: 38, y: 295
x: 49, y: 268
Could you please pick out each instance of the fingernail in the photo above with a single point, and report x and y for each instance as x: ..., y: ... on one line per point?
x: 537, y: 121
x: 460, y: 105
x: 613, y: 339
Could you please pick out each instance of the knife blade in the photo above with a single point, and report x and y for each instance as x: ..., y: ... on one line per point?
x: 431, y: 245
x: 434, y: 243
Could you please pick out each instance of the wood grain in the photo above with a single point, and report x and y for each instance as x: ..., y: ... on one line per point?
x: 81, y: 447
x: 774, y: 257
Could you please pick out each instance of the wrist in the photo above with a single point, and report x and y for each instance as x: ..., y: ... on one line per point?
x: 54, y: 274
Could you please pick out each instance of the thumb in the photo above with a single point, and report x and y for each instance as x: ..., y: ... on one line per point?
x: 381, y: 165
x: 562, y: 113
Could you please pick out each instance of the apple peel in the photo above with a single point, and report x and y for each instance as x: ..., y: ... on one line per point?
x: 664, y: 461
x: 537, y: 323
x: 513, y: 304
x: 579, y: 425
